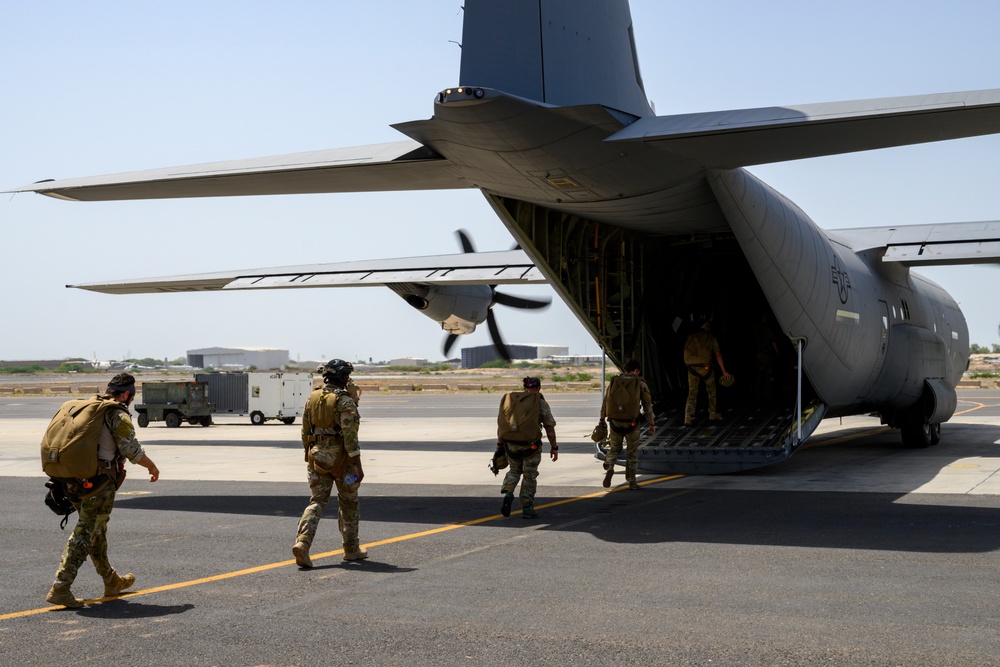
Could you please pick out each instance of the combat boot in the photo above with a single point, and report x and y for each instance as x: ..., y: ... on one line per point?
x: 607, y: 477
x: 301, y: 551
x: 60, y: 594
x: 115, y: 584
x: 355, y: 553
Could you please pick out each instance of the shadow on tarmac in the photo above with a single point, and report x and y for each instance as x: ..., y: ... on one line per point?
x: 661, y: 514
x: 126, y: 609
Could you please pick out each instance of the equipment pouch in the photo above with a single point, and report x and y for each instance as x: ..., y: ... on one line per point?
x: 600, y: 433
x: 326, y: 462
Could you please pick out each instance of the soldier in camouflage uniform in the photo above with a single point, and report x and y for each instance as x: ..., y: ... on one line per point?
x: 524, y: 457
x: 115, y: 444
x: 627, y: 432
x: 699, y: 350
x: 330, y: 438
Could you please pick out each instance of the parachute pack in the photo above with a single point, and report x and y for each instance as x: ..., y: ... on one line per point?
x: 69, y: 446
x: 519, y: 419
x: 623, y: 398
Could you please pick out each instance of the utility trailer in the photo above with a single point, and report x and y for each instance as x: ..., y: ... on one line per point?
x: 263, y: 396
x: 174, y: 402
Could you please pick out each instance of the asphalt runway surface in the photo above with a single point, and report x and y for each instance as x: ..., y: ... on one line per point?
x: 854, y: 552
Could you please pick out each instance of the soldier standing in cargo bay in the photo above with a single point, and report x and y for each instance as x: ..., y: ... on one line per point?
x: 700, y: 350
x: 333, y: 455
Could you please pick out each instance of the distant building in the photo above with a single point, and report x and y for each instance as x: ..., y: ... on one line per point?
x: 238, y: 358
x: 408, y: 361
x: 474, y: 357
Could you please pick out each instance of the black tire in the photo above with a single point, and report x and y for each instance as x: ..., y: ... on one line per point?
x: 257, y: 418
x: 173, y: 419
x: 142, y: 420
x: 288, y: 421
x: 194, y: 421
x: 206, y: 421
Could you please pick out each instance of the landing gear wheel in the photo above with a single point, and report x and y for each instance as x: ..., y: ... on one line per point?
x: 916, y: 431
x: 935, y: 434
x: 288, y: 420
x: 143, y: 420
x: 256, y: 418
x: 172, y: 419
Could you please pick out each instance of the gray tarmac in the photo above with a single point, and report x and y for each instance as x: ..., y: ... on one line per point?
x: 854, y: 552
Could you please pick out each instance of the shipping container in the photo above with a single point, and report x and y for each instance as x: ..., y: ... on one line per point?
x: 263, y: 396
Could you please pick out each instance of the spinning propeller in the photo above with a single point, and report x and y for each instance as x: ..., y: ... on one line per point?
x: 498, y: 298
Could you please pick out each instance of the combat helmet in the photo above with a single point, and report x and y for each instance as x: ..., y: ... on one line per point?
x: 336, y: 371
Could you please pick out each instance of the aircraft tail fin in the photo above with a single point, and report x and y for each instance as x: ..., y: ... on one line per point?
x: 559, y: 52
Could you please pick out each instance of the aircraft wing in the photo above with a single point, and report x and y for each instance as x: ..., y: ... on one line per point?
x: 729, y: 139
x: 929, y: 245
x: 404, y: 165
x: 505, y: 267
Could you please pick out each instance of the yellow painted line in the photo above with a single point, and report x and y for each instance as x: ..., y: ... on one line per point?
x: 285, y: 563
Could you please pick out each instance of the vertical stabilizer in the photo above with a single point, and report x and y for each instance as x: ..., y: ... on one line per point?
x: 560, y: 52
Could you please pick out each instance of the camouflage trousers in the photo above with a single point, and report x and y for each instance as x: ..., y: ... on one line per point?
x: 631, y: 442
x: 522, y: 463
x: 90, y: 537
x: 349, y: 514
x: 697, y: 375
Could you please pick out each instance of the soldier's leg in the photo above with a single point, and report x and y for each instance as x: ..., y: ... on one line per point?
x: 101, y: 504
x: 320, y: 487
x: 349, y: 512
x: 712, y: 393
x: 529, y: 483
x: 631, y: 454
x: 614, y: 448
x: 694, y: 380
x: 513, y: 475
x: 89, y: 535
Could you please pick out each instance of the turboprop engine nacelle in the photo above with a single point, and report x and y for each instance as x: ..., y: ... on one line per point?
x: 457, y: 308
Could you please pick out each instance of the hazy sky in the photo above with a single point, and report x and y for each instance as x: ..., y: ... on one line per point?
x: 104, y: 87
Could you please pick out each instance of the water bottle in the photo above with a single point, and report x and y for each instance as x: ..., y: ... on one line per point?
x: 351, y: 478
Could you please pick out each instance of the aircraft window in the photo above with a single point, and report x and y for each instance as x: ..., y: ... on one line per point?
x: 893, y: 311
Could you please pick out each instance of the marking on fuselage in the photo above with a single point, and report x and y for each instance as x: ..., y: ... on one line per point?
x: 848, y: 317
x: 840, y: 279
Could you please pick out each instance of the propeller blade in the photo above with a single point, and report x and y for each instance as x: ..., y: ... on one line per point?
x: 491, y: 322
x: 448, y: 342
x: 519, y: 301
x: 464, y: 241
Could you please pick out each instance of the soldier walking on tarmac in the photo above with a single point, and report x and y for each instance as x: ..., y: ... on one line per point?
x: 626, y: 394
x: 94, y: 498
x: 333, y: 455
x: 522, y: 416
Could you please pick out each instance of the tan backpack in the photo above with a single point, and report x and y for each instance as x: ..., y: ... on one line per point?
x: 69, y: 446
x: 519, y: 419
x: 623, y: 399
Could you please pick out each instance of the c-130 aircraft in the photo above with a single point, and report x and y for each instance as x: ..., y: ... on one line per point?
x: 646, y: 226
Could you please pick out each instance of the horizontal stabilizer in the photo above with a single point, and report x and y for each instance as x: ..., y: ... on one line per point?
x: 739, y: 138
x: 925, y: 245
x: 403, y: 165
x: 507, y: 267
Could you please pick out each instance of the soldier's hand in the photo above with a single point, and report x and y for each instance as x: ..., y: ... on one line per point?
x: 652, y: 429
x: 554, y: 453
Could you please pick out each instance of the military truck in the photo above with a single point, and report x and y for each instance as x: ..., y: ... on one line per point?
x: 173, y: 403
